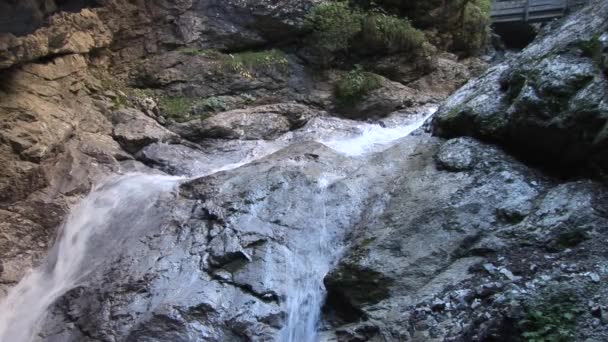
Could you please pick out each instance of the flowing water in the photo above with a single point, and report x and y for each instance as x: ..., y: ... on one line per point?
x: 124, y: 205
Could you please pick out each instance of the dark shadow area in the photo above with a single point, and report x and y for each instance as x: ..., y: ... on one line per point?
x: 22, y: 17
x: 516, y: 35
x: 337, y: 310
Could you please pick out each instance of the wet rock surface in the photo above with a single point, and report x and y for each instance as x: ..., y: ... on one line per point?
x: 429, y: 240
x: 548, y: 102
x: 455, y: 255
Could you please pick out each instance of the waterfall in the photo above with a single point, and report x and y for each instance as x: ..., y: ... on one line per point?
x: 120, y: 199
x: 96, y: 228
x: 307, y: 292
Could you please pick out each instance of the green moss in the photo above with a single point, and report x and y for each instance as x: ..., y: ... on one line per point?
x: 354, y: 86
x: 472, y: 29
x: 199, y: 52
x: 333, y: 25
x: 552, y: 318
x: 253, y: 62
x: 212, y: 104
x: 389, y: 34
x: 182, y: 108
x: 177, y: 108
x: 592, y: 48
x: 120, y: 101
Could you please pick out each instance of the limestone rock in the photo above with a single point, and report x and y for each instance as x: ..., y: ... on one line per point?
x: 134, y: 130
x: 388, y: 98
x: 262, y: 122
x: 67, y: 33
x: 548, y: 102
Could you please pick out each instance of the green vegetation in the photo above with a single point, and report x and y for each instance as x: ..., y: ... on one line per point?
x: 199, y: 52
x: 592, y: 48
x: 459, y: 25
x: 252, y: 62
x: 333, y: 25
x: 120, y: 101
x: 178, y: 108
x: 182, y: 108
x: 336, y: 27
x: 390, y: 34
x: 355, y: 86
x: 551, y: 319
x: 472, y: 27
x: 246, y: 63
x: 212, y: 104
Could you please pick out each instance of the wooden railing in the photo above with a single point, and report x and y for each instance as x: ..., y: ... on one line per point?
x: 532, y: 10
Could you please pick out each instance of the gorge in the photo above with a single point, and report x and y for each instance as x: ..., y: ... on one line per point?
x: 300, y: 171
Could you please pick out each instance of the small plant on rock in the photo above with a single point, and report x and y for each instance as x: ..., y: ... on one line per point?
x: 551, y: 319
x: 252, y: 62
x: 355, y: 86
x: 390, y: 34
x: 200, y: 52
x: 177, y: 108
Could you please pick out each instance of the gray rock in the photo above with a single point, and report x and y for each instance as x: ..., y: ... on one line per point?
x: 548, y: 102
x: 388, y: 98
x: 262, y: 122
x: 456, y: 155
x: 134, y: 130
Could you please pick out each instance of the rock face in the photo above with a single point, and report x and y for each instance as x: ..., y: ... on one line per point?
x: 232, y: 264
x: 429, y: 240
x: 388, y: 98
x: 547, y: 103
x: 24, y: 17
x: 68, y: 33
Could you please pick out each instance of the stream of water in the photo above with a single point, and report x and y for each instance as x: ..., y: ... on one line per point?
x: 125, y: 205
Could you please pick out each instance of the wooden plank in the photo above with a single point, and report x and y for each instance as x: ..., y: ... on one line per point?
x: 531, y: 10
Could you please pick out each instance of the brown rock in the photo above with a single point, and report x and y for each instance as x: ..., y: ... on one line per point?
x: 68, y: 33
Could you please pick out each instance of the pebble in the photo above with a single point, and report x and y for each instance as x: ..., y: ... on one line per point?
x: 490, y: 268
x: 594, y: 277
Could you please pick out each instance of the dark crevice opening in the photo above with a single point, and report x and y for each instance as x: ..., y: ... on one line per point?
x: 337, y: 310
x: 515, y: 36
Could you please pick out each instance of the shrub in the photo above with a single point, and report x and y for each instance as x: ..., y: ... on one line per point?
x: 212, y: 104
x: 182, y: 108
x: 551, y: 319
x: 177, y: 108
x: 389, y: 34
x: 333, y: 25
x: 252, y: 62
x: 472, y: 28
x: 355, y: 86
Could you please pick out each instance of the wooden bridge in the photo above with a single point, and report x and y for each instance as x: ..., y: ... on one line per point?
x: 504, y: 11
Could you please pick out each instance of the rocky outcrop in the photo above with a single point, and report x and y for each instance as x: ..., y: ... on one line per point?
x: 133, y: 130
x: 240, y: 241
x: 262, y: 122
x: 547, y: 103
x: 24, y: 17
x: 68, y: 33
x: 387, y: 98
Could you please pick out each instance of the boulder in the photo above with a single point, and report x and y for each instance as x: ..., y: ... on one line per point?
x: 386, y: 99
x: 548, y: 102
x: 134, y: 130
x: 261, y: 122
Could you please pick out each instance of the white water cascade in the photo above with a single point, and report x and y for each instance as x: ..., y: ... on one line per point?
x: 120, y: 198
x: 124, y: 205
